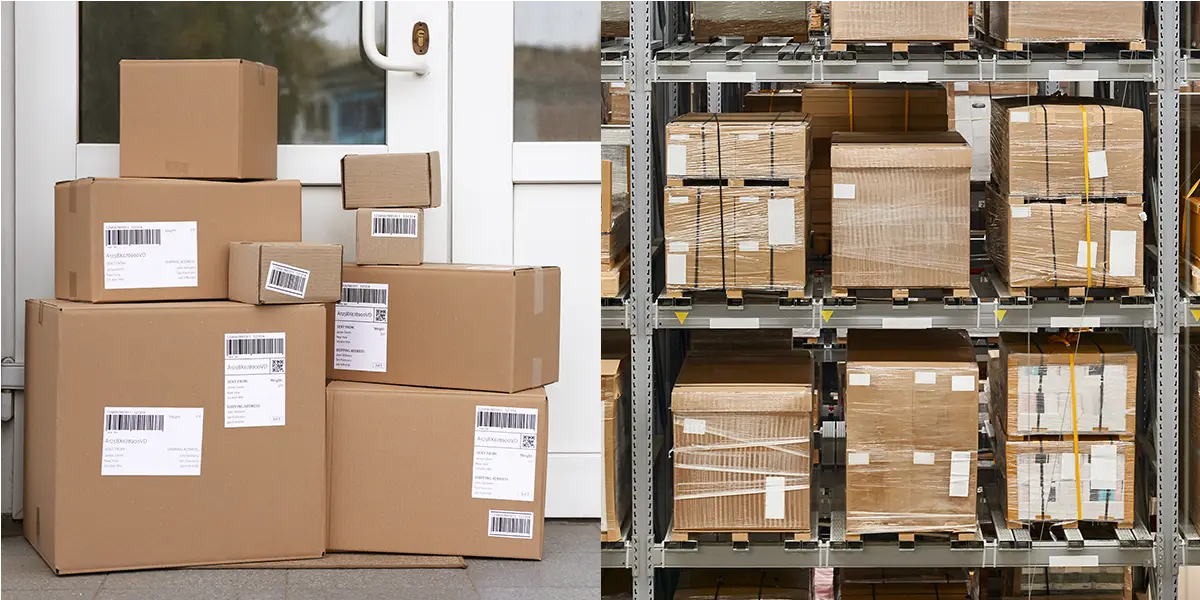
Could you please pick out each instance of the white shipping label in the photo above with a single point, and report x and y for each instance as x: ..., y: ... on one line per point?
x: 617, y: 84
x: 286, y: 279
x: 680, y: 137
x: 748, y: 199
x: 393, y: 224
x: 677, y: 269
x: 860, y: 379
x: 748, y: 246
x: 1097, y: 164
x: 962, y: 383
x: 361, y: 328
x: 922, y: 458
x: 1017, y: 116
x: 844, y: 191
x: 1066, y: 466
x: 677, y: 200
x: 1082, y: 256
x: 509, y: 524
x: 748, y: 137
x: 695, y: 426
x: 858, y: 458
x: 158, y: 254
x: 774, y: 507
x: 1103, y: 467
x: 147, y: 441
x: 960, y: 474
x: 676, y: 159
x: 255, y: 379
x: 677, y: 247
x: 1123, y: 253
x: 1021, y: 212
x: 781, y: 221
x: 505, y: 465
x: 925, y: 378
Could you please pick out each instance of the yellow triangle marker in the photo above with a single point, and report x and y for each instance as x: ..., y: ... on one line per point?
x: 1000, y: 312
x: 1196, y: 315
x: 825, y: 314
x: 682, y: 316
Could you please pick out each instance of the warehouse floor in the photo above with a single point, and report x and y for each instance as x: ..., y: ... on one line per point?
x: 570, y: 571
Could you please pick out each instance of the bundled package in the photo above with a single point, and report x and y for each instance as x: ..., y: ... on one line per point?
x: 1093, y: 583
x: 785, y: 100
x: 901, y: 210
x: 971, y: 114
x: 1048, y: 481
x: 618, y: 477
x: 614, y: 19
x: 742, y: 445
x: 912, y: 407
x: 874, y: 107
x: 1075, y: 21
x: 616, y: 102
x: 1193, y: 373
x: 752, y: 21
x: 743, y: 584
x: 820, y: 199
x: 746, y: 238
x: 893, y: 21
x: 614, y: 220
x: 1031, y: 392
x: 739, y: 145
x: 736, y: 343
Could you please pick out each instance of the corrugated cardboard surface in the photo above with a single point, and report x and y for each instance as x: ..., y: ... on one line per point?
x: 479, y: 327
x: 891, y: 21
x: 1044, y: 244
x: 388, y: 247
x: 875, y: 108
x: 251, y: 271
x: 223, y: 212
x: 614, y: 19
x: 260, y: 491
x: 199, y: 119
x: 1041, y: 480
x: 1020, y: 21
x: 901, y: 210
x: 617, y: 98
x: 735, y: 421
x: 742, y: 145
x: 747, y: 238
x: 402, y: 471
x: 1038, y: 148
x: 911, y: 400
x: 743, y: 584
x: 1031, y: 393
x: 617, y: 465
x: 715, y: 19
x: 391, y: 181
x: 1192, y: 368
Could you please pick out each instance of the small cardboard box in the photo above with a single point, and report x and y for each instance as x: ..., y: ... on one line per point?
x: 428, y: 471
x: 285, y: 272
x: 391, y: 181
x: 393, y: 236
x: 199, y: 119
x: 473, y: 327
x: 196, y: 429
x: 127, y: 240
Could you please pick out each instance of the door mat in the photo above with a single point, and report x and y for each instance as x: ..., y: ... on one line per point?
x: 354, y: 560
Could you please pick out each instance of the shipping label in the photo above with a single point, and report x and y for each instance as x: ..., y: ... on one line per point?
x: 505, y: 465
x: 158, y: 254
x: 392, y: 224
x: 286, y: 279
x: 510, y: 524
x: 144, y: 441
x: 255, y: 380
x: 361, y: 328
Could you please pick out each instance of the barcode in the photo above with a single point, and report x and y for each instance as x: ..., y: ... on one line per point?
x: 509, y: 524
x: 287, y: 280
x: 134, y: 422
x: 393, y: 224
x: 364, y: 295
x: 133, y: 237
x: 240, y: 346
x: 505, y: 420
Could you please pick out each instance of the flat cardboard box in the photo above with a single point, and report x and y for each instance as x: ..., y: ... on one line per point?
x: 901, y: 210
x: 391, y: 181
x: 426, y: 471
x: 735, y: 421
x: 199, y: 119
x: 739, y: 145
x: 390, y: 236
x: 898, y: 21
x: 1078, y: 20
x: 128, y: 240
x: 614, y: 245
x: 173, y: 434
x: 617, y: 465
x: 912, y: 420
x: 285, y: 272
x: 473, y: 327
x: 716, y: 19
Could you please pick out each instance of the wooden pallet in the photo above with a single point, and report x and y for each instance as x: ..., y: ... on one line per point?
x: 735, y: 182
x: 1044, y: 529
x: 956, y: 46
x: 1090, y: 435
x: 615, y: 279
x: 742, y: 537
x: 900, y: 293
x: 734, y: 298
x: 955, y: 536
x: 1069, y: 46
x: 1093, y: 199
x: 1093, y: 293
x: 611, y: 535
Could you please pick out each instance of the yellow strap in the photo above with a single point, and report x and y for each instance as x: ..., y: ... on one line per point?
x: 1087, y: 212
x: 1193, y: 190
x: 1075, y: 442
x: 850, y: 92
x: 905, y: 109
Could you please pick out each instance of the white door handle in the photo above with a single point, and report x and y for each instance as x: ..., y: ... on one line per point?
x: 371, y: 48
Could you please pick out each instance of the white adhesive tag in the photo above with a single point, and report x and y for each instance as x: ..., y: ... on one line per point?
x: 860, y: 379
x: 617, y: 84
x: 680, y: 137
x: 925, y: 377
x: 748, y: 246
x: 255, y: 379
x: 747, y: 199
x: 858, y: 458
x: 1072, y: 560
x: 1018, y: 116
x: 904, y: 76
x: 286, y: 279
x: 907, y: 322
x: 695, y: 426
x: 1122, y: 253
x: 1021, y: 212
x: 677, y: 247
x: 393, y: 224
x: 781, y: 221
x: 154, y: 441
x: 361, y: 328
x: 1103, y: 467
x: 141, y: 255
x: 676, y: 160
x: 505, y: 453
x: 1066, y: 466
x: 730, y: 77
x: 1097, y: 164
x: 733, y: 323
x: 844, y: 191
x: 960, y: 474
x: 677, y: 269
x: 774, y: 505
x: 922, y: 458
x: 962, y: 383
x: 962, y: 86
x: 1072, y: 75
x: 677, y: 200
x: 748, y: 137
x: 509, y: 524
x: 1081, y: 256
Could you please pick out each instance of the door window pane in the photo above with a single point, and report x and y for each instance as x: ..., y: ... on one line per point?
x: 556, y: 65
x: 328, y: 94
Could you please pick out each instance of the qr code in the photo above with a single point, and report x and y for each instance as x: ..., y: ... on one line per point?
x: 528, y: 441
x: 276, y: 365
x: 381, y: 315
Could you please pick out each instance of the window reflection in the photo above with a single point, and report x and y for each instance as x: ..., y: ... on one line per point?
x: 556, y: 64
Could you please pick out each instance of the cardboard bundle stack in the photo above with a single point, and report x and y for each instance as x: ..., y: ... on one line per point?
x: 892, y: 21
x: 614, y: 18
x: 614, y: 232
x: 744, y: 584
x: 389, y: 194
x: 1064, y: 208
x: 616, y: 104
x: 1093, y: 583
x: 911, y: 406
x: 906, y: 584
x: 751, y: 21
x: 1016, y: 24
x: 617, y: 465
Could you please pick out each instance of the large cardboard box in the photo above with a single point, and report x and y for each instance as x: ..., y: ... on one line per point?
x: 618, y: 477
x: 874, y: 108
x: 614, y: 19
x: 898, y: 21
x: 126, y: 240
x: 389, y: 236
x: 742, y: 453
x: 1045, y: 244
x: 1031, y: 391
x: 391, y: 180
x: 172, y: 434
x: 199, y: 119
x: 739, y: 145
x: 752, y: 21
x: 427, y: 471
x: 285, y: 272
x: 1039, y: 148
x: 475, y: 327
x: 901, y: 210
x: 745, y: 238
x: 912, y: 412
x: 1083, y: 21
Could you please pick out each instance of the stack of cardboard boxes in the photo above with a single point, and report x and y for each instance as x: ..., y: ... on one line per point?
x: 614, y: 230
x: 1016, y: 24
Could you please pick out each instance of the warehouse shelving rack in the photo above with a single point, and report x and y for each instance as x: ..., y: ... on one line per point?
x: 652, y: 60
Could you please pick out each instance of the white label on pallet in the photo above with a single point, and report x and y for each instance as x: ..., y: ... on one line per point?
x: 748, y: 246
x: 730, y: 77
x: 677, y: 269
x: 1097, y: 164
x: 860, y: 379
x: 1068, y: 322
x: 922, y: 458
x: 677, y: 247
x: 748, y: 137
x: 677, y: 200
x: 617, y: 84
x: 907, y: 322
x: 1073, y: 75
x: 1123, y: 251
x: 843, y: 191
x: 925, y: 378
x: 695, y: 426
x: 1066, y: 466
x: 963, y: 383
x: 781, y: 221
x: 1022, y: 212
x: 774, y: 507
x: 1104, y: 467
x: 858, y: 458
x: 904, y: 76
x: 676, y: 160
x: 1083, y: 560
x: 732, y: 323
x: 680, y: 137
x: 748, y: 199
x: 960, y: 474
x: 1082, y: 256
x: 1018, y: 116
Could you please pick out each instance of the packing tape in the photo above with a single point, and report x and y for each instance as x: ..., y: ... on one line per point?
x: 536, y: 370
x: 539, y: 286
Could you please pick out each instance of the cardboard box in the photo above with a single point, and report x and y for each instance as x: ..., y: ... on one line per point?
x: 1040, y: 477
x: 874, y: 108
x: 785, y: 100
x: 616, y: 97
x: 474, y: 327
x: 1024, y: 165
x: 912, y: 411
x: 126, y: 240
x: 199, y: 119
x: 194, y: 429
x: 391, y: 181
x: 762, y: 229
x: 898, y: 21
x: 285, y: 272
x: 1023, y: 21
x: 1044, y: 244
x: 901, y: 210
x: 1192, y: 371
x: 394, y: 236
x: 1094, y: 583
x: 618, y: 477
x: 614, y: 19
x: 735, y: 421
x: 743, y: 584
x: 739, y: 145
x: 716, y: 19
x: 426, y: 471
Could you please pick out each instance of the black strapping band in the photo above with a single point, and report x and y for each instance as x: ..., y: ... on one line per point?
x: 720, y: 199
x: 1046, y: 154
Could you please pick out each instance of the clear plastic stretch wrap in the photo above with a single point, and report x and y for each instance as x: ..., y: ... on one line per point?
x: 1074, y: 21
x: 617, y: 474
x: 751, y: 20
x: 901, y: 210
x: 742, y: 445
x: 1045, y: 483
x: 1065, y: 583
x: 1193, y: 448
x: 897, y: 21
x: 912, y: 407
x: 616, y: 100
x: 1058, y: 148
x: 860, y: 107
x: 744, y: 238
x: 1031, y: 391
x: 739, y: 145
x: 743, y: 584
